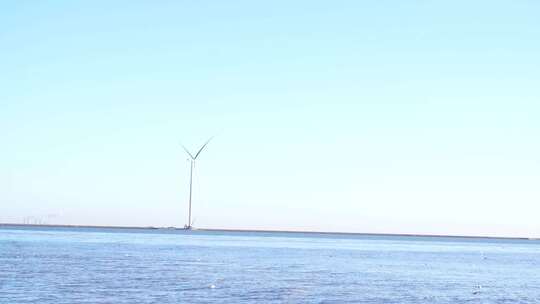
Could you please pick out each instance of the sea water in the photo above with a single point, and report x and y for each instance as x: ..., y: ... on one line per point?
x: 94, y: 265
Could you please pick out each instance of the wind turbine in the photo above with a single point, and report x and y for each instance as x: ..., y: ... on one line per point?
x: 192, y: 160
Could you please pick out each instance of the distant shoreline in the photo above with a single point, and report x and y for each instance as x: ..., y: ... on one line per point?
x: 13, y: 225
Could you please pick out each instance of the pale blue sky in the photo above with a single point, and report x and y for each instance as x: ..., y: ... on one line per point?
x: 382, y: 116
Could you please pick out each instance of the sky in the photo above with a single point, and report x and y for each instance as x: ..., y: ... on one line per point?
x: 357, y: 116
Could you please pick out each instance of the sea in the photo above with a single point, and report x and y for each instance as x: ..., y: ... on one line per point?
x: 110, y: 265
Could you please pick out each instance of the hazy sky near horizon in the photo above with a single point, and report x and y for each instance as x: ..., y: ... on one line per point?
x: 381, y: 116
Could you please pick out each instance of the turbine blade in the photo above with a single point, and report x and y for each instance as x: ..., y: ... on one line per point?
x: 185, y: 149
x: 206, y: 143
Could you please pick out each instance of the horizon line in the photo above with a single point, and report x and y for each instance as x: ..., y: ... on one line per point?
x: 272, y: 231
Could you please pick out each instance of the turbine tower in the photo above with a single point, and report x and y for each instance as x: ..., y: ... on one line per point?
x: 192, y: 161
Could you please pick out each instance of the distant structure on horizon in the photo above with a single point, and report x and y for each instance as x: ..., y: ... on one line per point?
x: 189, y: 225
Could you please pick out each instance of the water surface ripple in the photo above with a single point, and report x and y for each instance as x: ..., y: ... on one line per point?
x: 92, y: 265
